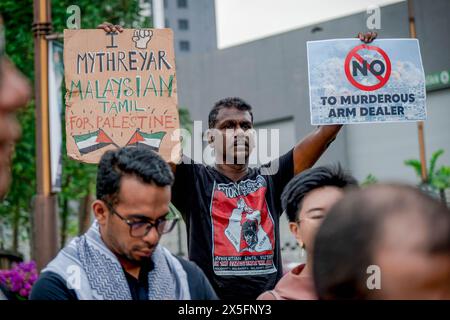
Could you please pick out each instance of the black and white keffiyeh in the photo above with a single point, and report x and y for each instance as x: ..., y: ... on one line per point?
x: 95, y: 273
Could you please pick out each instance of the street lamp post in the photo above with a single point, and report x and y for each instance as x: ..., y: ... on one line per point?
x: 420, y: 126
x: 44, y: 220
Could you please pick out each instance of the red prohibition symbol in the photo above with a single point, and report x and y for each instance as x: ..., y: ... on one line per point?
x: 383, y: 79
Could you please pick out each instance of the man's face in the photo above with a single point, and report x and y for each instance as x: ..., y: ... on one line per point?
x: 233, y: 136
x: 14, y: 94
x: 138, y: 202
x: 316, y: 205
x: 407, y: 269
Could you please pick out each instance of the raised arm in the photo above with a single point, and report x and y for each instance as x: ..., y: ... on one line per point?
x: 309, y: 150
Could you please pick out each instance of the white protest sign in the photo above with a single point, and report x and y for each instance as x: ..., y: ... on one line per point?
x: 354, y: 82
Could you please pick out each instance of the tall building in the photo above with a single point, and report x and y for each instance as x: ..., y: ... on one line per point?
x: 194, y: 25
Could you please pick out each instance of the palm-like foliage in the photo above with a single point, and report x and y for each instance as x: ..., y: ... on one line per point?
x: 438, y: 179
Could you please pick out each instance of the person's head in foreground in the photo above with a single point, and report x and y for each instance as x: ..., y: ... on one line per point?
x: 307, y: 198
x: 119, y: 257
x: 384, y: 242
x: 14, y: 94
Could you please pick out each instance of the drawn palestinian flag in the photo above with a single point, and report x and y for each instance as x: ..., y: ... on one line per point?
x: 149, y: 140
x: 90, y: 142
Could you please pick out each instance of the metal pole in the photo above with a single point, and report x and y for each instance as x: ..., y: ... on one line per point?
x: 158, y: 14
x: 420, y: 125
x: 45, y: 242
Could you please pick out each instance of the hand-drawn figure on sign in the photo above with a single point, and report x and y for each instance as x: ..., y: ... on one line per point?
x: 90, y: 142
x: 148, y: 140
x: 141, y: 38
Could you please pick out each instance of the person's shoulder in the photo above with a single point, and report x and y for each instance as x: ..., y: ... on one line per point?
x: 191, y: 268
x: 187, y: 164
x: 281, y: 160
x: 51, y: 286
x: 199, y: 285
x: 188, y: 161
x: 280, y: 167
x: 268, y: 295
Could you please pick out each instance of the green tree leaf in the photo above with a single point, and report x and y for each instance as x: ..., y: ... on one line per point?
x: 416, y: 165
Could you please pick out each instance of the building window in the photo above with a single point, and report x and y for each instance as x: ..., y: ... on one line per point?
x: 182, y: 3
x: 185, y: 45
x: 183, y: 24
x: 166, y: 23
x: 165, y: 4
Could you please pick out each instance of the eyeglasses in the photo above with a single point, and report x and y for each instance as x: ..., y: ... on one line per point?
x: 139, y: 229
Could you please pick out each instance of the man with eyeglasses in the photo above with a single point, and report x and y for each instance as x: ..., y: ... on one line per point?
x: 119, y: 258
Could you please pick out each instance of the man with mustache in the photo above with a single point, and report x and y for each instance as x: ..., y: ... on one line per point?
x: 207, y: 196
x: 119, y: 258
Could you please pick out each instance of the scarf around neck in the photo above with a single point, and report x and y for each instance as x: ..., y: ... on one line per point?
x: 94, y: 272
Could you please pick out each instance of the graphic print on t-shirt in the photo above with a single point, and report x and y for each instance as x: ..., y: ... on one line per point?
x: 243, y: 229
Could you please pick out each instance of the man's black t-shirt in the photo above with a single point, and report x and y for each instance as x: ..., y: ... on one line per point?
x: 233, y: 226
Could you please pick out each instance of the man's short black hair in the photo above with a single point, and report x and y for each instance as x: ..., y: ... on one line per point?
x: 346, y: 240
x: 233, y: 102
x: 138, y: 162
x: 305, y: 182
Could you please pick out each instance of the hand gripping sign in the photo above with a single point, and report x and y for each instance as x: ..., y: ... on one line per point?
x: 121, y: 91
x: 352, y: 82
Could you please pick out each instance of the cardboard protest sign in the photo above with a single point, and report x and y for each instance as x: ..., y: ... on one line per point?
x: 121, y: 91
x: 354, y: 82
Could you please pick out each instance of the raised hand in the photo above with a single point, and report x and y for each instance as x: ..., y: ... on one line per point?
x: 367, y: 37
x: 109, y: 27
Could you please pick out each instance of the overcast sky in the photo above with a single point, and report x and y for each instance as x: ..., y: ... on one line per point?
x: 240, y: 21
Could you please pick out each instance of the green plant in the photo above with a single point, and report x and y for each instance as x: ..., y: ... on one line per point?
x: 442, y: 178
x: 438, y: 179
x: 370, y: 179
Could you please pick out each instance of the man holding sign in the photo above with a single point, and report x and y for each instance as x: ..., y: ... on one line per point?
x: 232, y: 211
